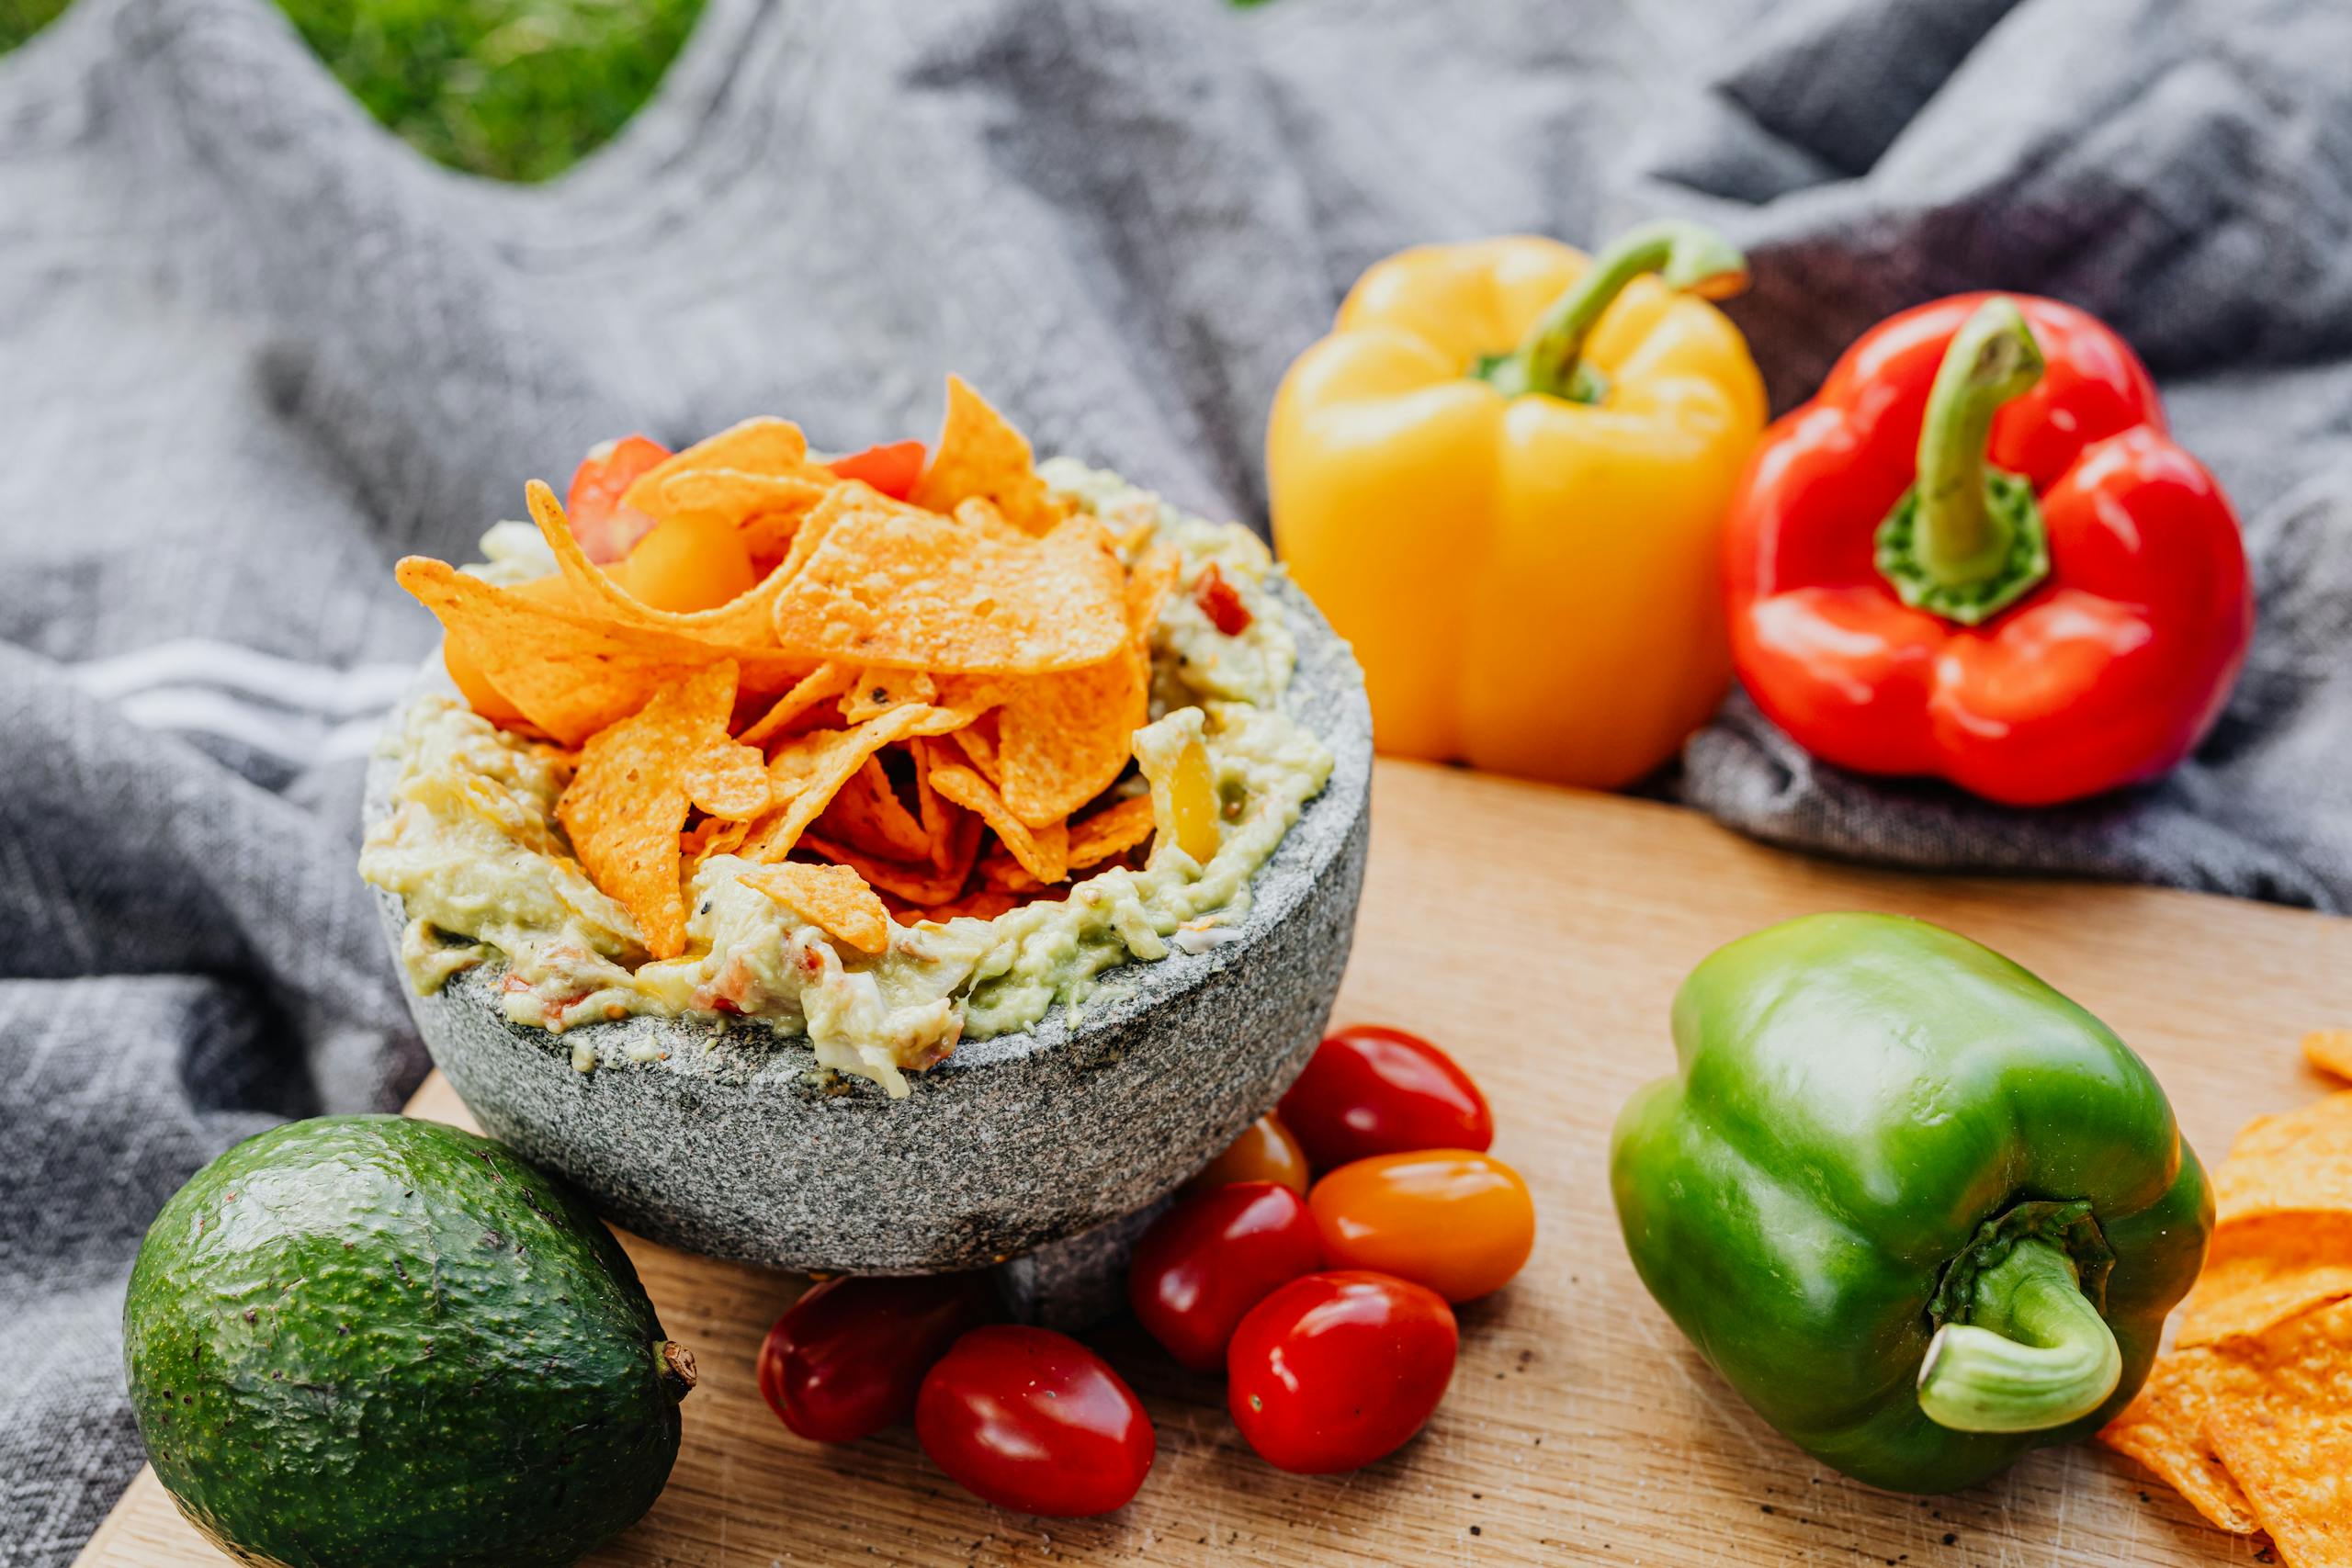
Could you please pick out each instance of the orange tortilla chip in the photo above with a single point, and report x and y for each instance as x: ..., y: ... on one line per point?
x: 979, y: 453
x: 2287, y: 1440
x: 875, y: 692
x: 917, y: 886
x: 2330, y: 1050
x: 1065, y: 738
x: 941, y: 818
x: 627, y: 802
x: 765, y: 509
x: 2299, y: 1161
x: 868, y: 815
x: 820, y: 685
x: 568, y: 673
x: 1043, y: 852
x: 2263, y: 1271
x: 978, y: 741
x: 762, y: 445
x: 744, y: 621
x: 713, y: 837
x: 1113, y: 830
x: 985, y: 903
x: 2164, y: 1429
x: 833, y: 897
x: 874, y: 581
x: 807, y: 771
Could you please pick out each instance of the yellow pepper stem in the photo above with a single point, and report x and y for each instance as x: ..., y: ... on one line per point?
x: 1966, y: 541
x: 1550, y: 359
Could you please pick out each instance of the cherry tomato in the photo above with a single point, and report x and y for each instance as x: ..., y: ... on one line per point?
x: 1209, y: 1259
x: 605, y: 528
x: 1264, y: 1151
x: 687, y: 564
x: 1371, y: 1091
x: 1335, y: 1370
x: 1456, y: 1220
x: 892, y: 467
x: 1034, y: 1421
x: 846, y: 1359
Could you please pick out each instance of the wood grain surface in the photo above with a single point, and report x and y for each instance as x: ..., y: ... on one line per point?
x: 1538, y: 935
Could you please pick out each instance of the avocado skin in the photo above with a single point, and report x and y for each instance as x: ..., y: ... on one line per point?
x: 369, y: 1342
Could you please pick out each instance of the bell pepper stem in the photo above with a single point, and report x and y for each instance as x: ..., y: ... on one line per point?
x: 2034, y: 1353
x: 1966, y: 541
x: 1688, y: 257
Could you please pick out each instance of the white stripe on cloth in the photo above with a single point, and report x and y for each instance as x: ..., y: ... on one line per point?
x: 311, y: 688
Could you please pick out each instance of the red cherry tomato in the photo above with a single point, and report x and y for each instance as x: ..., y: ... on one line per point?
x: 1264, y: 1151
x: 1209, y: 1259
x: 1371, y: 1091
x: 845, y: 1359
x: 1335, y: 1370
x: 892, y: 467
x: 1460, y: 1222
x: 605, y: 528
x: 1034, y: 1421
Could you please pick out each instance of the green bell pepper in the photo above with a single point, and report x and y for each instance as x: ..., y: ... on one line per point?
x: 1921, y: 1210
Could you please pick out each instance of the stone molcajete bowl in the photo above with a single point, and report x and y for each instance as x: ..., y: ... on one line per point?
x: 728, y: 1145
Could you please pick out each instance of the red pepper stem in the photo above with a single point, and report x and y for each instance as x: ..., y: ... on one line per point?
x: 1967, y: 540
x: 2032, y: 1354
x: 1549, y: 360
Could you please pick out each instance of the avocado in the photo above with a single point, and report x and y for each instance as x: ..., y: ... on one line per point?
x: 369, y: 1342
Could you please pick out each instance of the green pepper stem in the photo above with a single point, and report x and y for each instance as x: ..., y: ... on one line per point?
x: 2033, y: 1354
x: 1967, y: 539
x: 1550, y: 358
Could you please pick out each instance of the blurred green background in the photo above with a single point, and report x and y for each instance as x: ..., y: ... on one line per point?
x: 514, y: 89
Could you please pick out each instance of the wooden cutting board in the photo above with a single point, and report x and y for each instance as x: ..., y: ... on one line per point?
x: 1538, y: 935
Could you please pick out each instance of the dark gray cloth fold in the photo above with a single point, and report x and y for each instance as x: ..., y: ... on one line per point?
x: 252, y: 350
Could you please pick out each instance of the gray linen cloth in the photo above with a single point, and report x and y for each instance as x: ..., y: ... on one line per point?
x: 251, y: 351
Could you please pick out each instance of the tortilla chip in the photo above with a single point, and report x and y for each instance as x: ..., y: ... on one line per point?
x: 820, y: 685
x: 2298, y: 1161
x: 875, y: 692
x: 762, y: 445
x: 2263, y: 1271
x: 2287, y: 1440
x: 744, y: 621
x: 1043, y: 852
x: 1149, y: 583
x: 868, y: 815
x: 833, y: 897
x: 2330, y: 1050
x: 2164, y: 1429
x: 978, y: 741
x: 1113, y: 830
x: 765, y: 509
x: 713, y: 837
x: 807, y: 771
x: 979, y: 453
x: 1066, y: 737
x: 941, y: 818
x: 875, y: 582
x: 986, y: 904
x: 627, y: 805
x: 568, y: 673
x: 917, y: 886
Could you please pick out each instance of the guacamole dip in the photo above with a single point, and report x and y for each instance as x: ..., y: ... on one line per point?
x: 471, y: 846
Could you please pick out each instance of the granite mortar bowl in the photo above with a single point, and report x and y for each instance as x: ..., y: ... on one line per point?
x: 731, y: 1145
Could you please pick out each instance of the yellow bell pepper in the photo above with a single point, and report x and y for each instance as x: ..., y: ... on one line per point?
x: 1503, y: 477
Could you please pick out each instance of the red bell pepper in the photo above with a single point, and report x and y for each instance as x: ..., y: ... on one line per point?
x: 1976, y: 555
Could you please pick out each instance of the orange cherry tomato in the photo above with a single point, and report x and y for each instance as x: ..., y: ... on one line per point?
x: 1264, y: 1151
x: 1460, y: 1222
x: 472, y: 684
x: 687, y: 565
